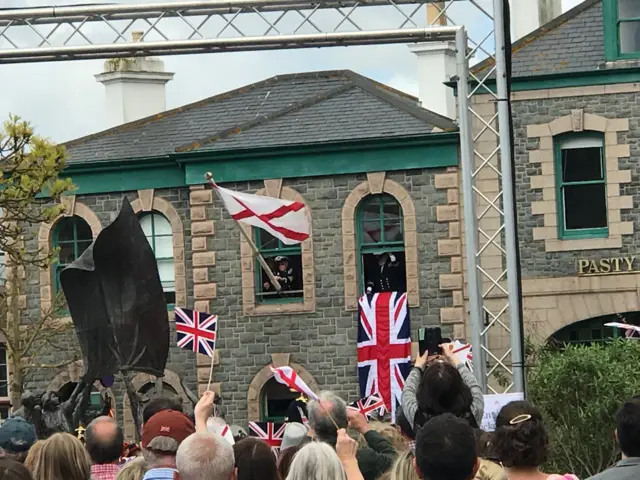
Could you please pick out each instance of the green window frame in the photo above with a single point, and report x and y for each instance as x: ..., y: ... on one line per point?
x: 80, y: 239
x: 157, y: 229
x: 270, y: 247
x: 612, y: 26
x: 560, y: 141
x: 365, y: 244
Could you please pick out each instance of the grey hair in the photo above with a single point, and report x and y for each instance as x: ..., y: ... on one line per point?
x: 205, y: 456
x: 316, y: 461
x: 320, y: 422
x: 158, y: 449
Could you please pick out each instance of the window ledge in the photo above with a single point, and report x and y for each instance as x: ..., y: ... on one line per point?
x: 583, y: 244
x: 277, y: 308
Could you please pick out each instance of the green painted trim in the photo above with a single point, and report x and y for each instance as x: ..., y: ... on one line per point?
x: 612, y: 33
x: 563, y: 234
x: 75, y: 241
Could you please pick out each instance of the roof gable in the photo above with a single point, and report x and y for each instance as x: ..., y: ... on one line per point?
x: 269, y: 113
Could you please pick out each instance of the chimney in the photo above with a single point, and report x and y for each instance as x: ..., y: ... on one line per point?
x: 529, y: 15
x: 436, y: 65
x: 134, y: 87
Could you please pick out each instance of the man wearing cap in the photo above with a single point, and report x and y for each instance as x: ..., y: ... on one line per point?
x: 162, y: 434
x: 16, y: 438
x: 282, y: 272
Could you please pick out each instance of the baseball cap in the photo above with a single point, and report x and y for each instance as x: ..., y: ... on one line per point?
x: 167, y: 423
x: 17, y: 435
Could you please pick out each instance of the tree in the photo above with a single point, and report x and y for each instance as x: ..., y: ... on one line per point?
x: 579, y: 389
x: 30, y: 190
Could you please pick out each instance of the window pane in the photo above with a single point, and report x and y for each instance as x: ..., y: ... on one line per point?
x: 291, y: 286
x: 393, y: 233
x: 166, y: 271
x: 628, y: 9
x: 267, y: 241
x: 64, y: 230
x: 371, y: 209
x: 164, y: 247
x: 161, y: 225
x: 66, y: 255
x: 145, y: 223
x: 371, y: 232
x: 582, y: 164
x: 82, y: 246
x: 629, y: 37
x: 83, y: 230
x: 585, y: 206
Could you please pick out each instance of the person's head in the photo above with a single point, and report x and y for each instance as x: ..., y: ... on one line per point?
x: 389, y: 432
x: 133, y: 470
x: 321, y: 424
x: 104, y: 440
x: 295, y: 434
x: 284, y: 460
x: 16, y: 438
x: 316, y: 461
x: 442, y: 390
x: 283, y: 263
x: 205, y: 456
x: 63, y: 456
x: 254, y: 460
x: 628, y: 428
x: 446, y: 449
x: 402, y: 423
x: 12, y: 470
x: 162, y: 435
x: 34, y: 455
x: 520, y: 439
x: 403, y: 468
x: 158, y: 404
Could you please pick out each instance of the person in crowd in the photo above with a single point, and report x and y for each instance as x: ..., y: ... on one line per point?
x: 441, y: 385
x: 490, y: 468
x: 104, y: 441
x: 133, y: 470
x: 33, y: 456
x: 446, y: 449
x: 254, y: 460
x: 405, y: 428
x: 16, y: 438
x: 373, y: 460
x: 13, y: 470
x: 392, y: 434
x: 295, y: 434
x: 520, y: 442
x: 158, y: 404
x: 205, y: 456
x: 318, y: 461
x: 628, y: 437
x: 63, y: 457
x: 162, y: 434
x: 404, y: 468
x: 284, y: 460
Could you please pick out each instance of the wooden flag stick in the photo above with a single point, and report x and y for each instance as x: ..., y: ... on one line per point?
x: 328, y: 415
x: 251, y: 243
x: 211, y: 372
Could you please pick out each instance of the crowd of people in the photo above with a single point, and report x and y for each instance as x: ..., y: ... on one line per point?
x: 435, y: 436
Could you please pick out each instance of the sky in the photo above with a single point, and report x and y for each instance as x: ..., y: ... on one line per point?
x: 64, y: 101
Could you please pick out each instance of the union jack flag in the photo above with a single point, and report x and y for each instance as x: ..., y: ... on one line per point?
x: 196, y: 330
x: 384, y: 347
x: 367, y: 406
x: 271, y: 433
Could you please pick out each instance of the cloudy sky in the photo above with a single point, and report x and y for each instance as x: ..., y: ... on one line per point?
x: 64, y: 101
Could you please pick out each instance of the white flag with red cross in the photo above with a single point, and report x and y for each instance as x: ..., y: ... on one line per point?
x: 284, y: 219
x: 288, y: 376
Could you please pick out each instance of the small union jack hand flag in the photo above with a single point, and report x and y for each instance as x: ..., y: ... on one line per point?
x: 271, y: 433
x: 196, y: 330
x: 367, y: 406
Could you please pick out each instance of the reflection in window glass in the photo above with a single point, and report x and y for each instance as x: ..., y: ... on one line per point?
x: 628, y: 9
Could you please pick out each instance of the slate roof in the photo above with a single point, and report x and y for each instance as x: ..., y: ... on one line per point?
x: 572, y: 42
x: 305, y: 108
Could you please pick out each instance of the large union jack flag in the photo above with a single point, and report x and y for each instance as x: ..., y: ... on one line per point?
x: 196, y: 330
x: 271, y: 433
x: 384, y: 346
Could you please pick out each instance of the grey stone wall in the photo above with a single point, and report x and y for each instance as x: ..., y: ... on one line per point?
x: 534, y: 260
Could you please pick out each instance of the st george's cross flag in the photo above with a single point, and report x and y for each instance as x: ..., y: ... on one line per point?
x: 384, y: 346
x: 284, y: 219
x: 269, y: 432
x: 196, y: 330
x: 288, y: 376
x: 463, y: 353
x: 368, y: 406
x: 631, y: 331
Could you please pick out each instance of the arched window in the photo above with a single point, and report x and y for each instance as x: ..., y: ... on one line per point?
x: 159, y: 233
x: 275, y: 399
x: 593, y: 330
x: 380, y: 242
x: 72, y: 235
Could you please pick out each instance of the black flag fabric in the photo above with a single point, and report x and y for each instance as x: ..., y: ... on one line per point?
x: 117, y: 303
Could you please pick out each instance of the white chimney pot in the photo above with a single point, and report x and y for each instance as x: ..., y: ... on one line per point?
x: 436, y: 65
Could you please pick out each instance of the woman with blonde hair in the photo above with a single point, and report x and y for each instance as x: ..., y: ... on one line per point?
x: 133, y: 469
x: 33, y: 456
x: 404, y: 468
x: 63, y: 457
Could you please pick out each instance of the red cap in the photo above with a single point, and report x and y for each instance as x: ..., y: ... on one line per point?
x: 167, y: 423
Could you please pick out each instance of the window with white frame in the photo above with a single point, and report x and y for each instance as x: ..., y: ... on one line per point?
x: 158, y: 231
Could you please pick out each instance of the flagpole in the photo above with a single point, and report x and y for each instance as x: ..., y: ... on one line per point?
x: 247, y: 237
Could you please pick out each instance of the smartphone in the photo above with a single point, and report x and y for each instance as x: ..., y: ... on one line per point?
x: 430, y: 340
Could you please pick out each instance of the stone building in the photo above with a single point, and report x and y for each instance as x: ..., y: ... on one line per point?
x: 376, y: 172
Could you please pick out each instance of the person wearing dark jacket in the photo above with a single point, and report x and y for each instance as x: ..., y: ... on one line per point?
x: 373, y: 460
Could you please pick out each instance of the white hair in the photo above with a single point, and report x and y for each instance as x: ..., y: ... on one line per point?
x: 316, y: 461
x: 205, y: 456
x: 321, y: 424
